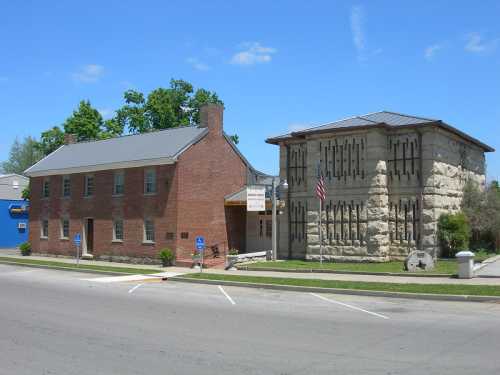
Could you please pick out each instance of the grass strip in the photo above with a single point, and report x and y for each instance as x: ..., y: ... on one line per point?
x: 93, y: 267
x: 448, y: 267
x: 455, y: 289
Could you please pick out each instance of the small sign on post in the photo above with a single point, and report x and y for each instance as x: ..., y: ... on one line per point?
x: 256, y: 198
x: 200, y: 247
x: 77, y: 239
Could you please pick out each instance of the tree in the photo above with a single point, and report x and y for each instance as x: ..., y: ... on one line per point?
x: 51, y: 140
x: 86, y: 123
x: 482, y: 209
x: 453, y: 233
x: 164, y: 108
x: 22, y: 156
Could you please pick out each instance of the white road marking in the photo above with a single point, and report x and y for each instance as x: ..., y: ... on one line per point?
x: 116, y: 279
x: 350, y: 306
x: 227, y: 295
x: 134, y: 288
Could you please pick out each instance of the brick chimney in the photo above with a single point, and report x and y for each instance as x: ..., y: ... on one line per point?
x: 69, y: 138
x: 211, y: 117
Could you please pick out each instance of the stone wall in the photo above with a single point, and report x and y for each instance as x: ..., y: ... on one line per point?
x: 385, y: 192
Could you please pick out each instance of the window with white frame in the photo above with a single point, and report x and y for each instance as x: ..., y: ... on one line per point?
x: 149, y: 230
x: 150, y: 181
x: 64, y: 228
x: 44, y: 228
x: 66, y: 186
x: 118, y: 183
x: 46, y: 188
x: 118, y: 230
x: 89, y: 185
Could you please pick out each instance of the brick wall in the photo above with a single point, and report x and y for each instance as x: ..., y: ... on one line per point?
x: 132, y: 207
x: 207, y: 171
x: 189, y: 199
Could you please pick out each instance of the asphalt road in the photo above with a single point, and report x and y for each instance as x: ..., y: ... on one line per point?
x: 54, y: 322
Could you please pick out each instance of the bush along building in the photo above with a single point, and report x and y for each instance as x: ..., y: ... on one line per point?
x: 388, y: 178
x: 134, y: 195
x: 13, y: 210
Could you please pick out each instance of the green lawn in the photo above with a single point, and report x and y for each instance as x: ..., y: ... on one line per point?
x: 92, y: 267
x: 473, y: 290
x: 448, y: 267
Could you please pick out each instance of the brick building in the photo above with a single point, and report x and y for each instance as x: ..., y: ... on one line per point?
x: 134, y: 195
x: 389, y: 177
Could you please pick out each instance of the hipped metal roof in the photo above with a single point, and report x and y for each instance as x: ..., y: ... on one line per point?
x: 377, y: 119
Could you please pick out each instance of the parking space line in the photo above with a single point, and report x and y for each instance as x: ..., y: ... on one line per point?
x: 227, y: 295
x: 350, y: 306
x: 134, y: 288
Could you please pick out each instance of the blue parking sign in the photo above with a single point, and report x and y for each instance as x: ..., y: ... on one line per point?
x: 77, y: 239
x: 200, y: 243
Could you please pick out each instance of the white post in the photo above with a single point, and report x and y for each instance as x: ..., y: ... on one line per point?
x: 320, y: 234
x: 274, y: 221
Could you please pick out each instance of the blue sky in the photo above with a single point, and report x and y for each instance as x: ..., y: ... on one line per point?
x: 277, y: 65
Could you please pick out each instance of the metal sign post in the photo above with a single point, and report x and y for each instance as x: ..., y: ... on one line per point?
x: 77, y: 240
x: 200, y: 247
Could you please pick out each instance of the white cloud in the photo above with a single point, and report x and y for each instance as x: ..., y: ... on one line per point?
x: 106, y: 113
x: 89, y: 73
x: 358, y: 35
x: 431, y: 51
x: 295, y: 127
x: 196, y: 64
x: 253, y: 53
x: 475, y: 43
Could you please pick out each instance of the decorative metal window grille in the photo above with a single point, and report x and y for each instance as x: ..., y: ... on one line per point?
x: 404, y: 155
x: 404, y: 220
x: 298, y: 223
x: 345, y: 221
x: 343, y: 158
x: 297, y: 167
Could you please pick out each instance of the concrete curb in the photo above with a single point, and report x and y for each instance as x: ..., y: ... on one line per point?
x: 299, y: 270
x: 60, y: 268
x: 371, y: 293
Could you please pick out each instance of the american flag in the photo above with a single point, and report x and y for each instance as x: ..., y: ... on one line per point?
x: 320, y: 186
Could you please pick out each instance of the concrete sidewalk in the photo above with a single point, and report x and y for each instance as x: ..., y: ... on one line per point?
x: 490, y: 267
x: 368, y: 278
x: 15, y: 254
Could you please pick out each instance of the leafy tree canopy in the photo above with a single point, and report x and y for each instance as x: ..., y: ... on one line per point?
x: 178, y: 105
x: 22, y: 156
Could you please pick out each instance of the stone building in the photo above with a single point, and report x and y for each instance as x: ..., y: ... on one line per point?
x: 131, y: 196
x: 389, y: 177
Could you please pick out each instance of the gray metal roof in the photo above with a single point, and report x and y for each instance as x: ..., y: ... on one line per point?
x: 382, y: 118
x: 159, y: 145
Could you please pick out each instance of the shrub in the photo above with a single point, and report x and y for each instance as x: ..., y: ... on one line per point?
x: 233, y: 252
x: 453, y: 233
x: 25, y: 248
x: 167, y: 257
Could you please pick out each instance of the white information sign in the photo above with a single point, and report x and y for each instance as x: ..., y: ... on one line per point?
x: 256, y: 198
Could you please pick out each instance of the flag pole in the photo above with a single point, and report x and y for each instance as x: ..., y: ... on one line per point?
x: 320, y: 234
